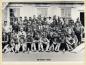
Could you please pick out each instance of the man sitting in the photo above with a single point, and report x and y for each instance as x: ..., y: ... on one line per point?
x: 71, y: 42
x: 22, y: 39
x: 43, y: 41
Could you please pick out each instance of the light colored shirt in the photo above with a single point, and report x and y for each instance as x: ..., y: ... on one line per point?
x: 20, y: 34
x: 49, y: 21
x: 7, y: 28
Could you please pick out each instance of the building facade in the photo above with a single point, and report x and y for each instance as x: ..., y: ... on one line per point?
x: 71, y: 9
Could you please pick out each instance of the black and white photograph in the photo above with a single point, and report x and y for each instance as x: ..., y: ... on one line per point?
x: 43, y: 31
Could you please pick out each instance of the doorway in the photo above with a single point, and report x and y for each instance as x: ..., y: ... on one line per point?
x: 82, y: 18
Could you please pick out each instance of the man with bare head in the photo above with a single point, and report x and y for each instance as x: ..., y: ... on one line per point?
x: 22, y: 39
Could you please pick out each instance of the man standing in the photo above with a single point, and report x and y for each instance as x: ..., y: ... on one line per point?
x: 25, y: 23
x: 78, y: 30
x: 20, y: 22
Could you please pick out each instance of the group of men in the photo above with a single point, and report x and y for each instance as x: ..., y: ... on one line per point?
x: 41, y: 34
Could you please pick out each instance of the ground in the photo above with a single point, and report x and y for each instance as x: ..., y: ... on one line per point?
x: 76, y: 55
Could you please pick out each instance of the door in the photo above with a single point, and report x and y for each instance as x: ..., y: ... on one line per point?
x: 14, y: 13
x: 82, y: 17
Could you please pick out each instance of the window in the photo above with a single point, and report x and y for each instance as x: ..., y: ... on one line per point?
x: 42, y: 11
x: 66, y: 12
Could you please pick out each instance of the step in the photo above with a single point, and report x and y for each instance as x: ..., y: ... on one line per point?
x: 79, y: 48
